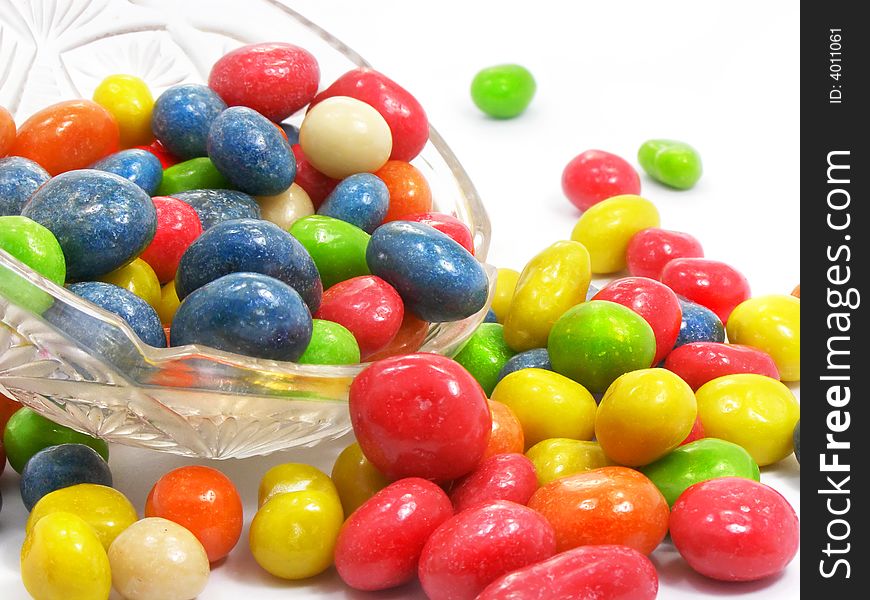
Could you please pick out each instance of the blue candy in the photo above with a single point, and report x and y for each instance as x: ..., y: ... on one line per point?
x: 61, y: 466
x: 216, y: 206
x: 699, y: 324
x: 182, y: 116
x: 248, y: 150
x: 102, y: 221
x: 436, y: 277
x: 246, y: 313
x: 141, y: 317
x: 490, y: 317
x: 292, y: 133
x: 537, y: 358
x: 139, y: 166
x: 362, y: 200
x: 249, y: 245
x: 19, y: 178
x: 797, y: 441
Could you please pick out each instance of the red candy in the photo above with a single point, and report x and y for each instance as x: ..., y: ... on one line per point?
x: 316, y: 184
x: 369, y: 307
x: 177, y: 226
x: 204, y: 501
x: 7, y: 131
x: 404, y: 115
x: 734, y: 529
x: 479, y: 545
x: 8, y: 406
x: 700, y: 362
x: 446, y: 224
x: 586, y: 573
x: 649, y: 250
x: 275, y: 79
x: 656, y: 303
x: 156, y: 148
x: 696, y: 434
x: 596, y: 175
x: 380, y: 544
x: 610, y: 505
x: 420, y: 415
x: 67, y: 135
x: 709, y: 283
x: 501, y: 477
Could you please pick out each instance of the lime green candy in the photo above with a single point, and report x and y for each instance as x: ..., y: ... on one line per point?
x: 595, y: 342
x: 699, y: 461
x: 485, y: 354
x: 503, y: 91
x: 36, y: 247
x: 673, y: 163
x: 28, y: 432
x: 337, y: 247
x: 194, y: 174
x: 331, y: 344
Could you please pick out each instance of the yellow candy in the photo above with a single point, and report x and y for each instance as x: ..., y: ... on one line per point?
x: 139, y: 278
x: 62, y: 559
x: 105, y: 509
x: 293, y: 477
x: 753, y: 411
x: 293, y: 535
x: 356, y: 478
x: 342, y: 136
x: 168, y: 304
x: 286, y: 208
x: 772, y: 324
x: 130, y: 101
x: 505, y: 284
x: 607, y: 227
x: 560, y: 457
x: 548, y: 405
x: 644, y: 415
x: 550, y: 284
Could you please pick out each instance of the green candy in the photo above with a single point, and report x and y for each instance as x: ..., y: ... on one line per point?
x: 485, y: 354
x: 337, y: 247
x: 673, y: 163
x: 595, y: 342
x: 28, y: 432
x: 699, y: 461
x: 503, y: 91
x: 36, y: 247
x: 331, y: 344
x: 193, y: 174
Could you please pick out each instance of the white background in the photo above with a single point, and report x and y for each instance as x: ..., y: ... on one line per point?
x: 722, y: 76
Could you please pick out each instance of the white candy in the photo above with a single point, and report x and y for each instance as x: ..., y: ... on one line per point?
x: 286, y: 208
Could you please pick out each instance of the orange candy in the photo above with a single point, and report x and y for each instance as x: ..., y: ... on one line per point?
x: 7, y: 407
x: 796, y: 292
x: 610, y: 505
x: 408, y: 339
x: 409, y: 190
x: 204, y: 501
x: 507, y: 432
x: 67, y: 135
x: 7, y: 131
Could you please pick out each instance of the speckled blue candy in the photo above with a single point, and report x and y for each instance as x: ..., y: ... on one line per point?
x: 248, y: 150
x: 438, y: 279
x: 362, y: 200
x: 797, y: 441
x: 19, y: 178
x: 249, y: 245
x: 61, y: 466
x: 245, y: 313
x: 102, y: 221
x: 139, y: 166
x: 292, y: 133
x: 700, y: 324
x: 141, y: 317
x: 216, y: 206
x: 537, y: 358
x: 182, y: 116
x: 490, y: 317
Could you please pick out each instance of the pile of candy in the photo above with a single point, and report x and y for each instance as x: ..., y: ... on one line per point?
x: 575, y: 429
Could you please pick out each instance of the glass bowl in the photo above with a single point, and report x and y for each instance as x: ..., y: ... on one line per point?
x: 82, y: 366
